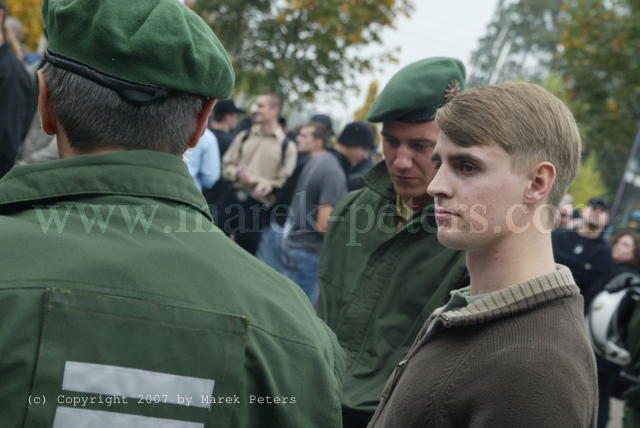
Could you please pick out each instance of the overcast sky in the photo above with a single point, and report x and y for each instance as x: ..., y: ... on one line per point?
x: 435, y: 28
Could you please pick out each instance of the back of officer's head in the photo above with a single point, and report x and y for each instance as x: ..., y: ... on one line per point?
x: 133, y: 75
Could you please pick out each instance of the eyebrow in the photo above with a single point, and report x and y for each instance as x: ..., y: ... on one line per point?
x: 411, y: 140
x: 458, y: 157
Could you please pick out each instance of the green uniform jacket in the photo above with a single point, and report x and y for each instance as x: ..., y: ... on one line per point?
x: 378, y: 285
x: 115, y: 283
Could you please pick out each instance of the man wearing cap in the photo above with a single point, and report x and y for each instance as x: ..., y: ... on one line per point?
x: 322, y: 183
x: 382, y: 270
x: 258, y: 161
x: 223, y: 121
x: 140, y: 312
x: 583, y: 249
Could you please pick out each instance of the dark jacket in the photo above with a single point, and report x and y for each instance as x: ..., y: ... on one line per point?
x: 589, y: 259
x: 518, y: 357
x: 17, y: 106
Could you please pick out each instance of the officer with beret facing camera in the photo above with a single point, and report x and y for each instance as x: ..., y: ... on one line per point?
x: 382, y: 270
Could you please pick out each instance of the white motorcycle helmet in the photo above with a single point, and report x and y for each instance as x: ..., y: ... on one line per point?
x: 609, y: 314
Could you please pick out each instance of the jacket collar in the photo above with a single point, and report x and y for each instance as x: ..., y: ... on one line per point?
x: 133, y: 172
x: 514, y: 299
x: 378, y: 180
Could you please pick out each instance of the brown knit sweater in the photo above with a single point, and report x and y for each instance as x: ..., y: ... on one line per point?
x: 518, y: 357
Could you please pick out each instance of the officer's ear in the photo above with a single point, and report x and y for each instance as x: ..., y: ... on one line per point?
x: 47, y: 114
x: 203, y: 119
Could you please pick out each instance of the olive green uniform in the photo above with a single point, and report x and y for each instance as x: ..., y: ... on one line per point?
x: 379, y: 283
x: 115, y: 282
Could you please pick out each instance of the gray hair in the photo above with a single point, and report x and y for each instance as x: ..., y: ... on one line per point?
x: 93, y: 116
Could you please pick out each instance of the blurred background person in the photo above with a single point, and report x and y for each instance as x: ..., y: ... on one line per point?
x: 223, y: 121
x: 203, y: 161
x: 625, y: 254
x: 564, y: 219
x: 584, y: 249
x: 322, y: 183
x: 258, y: 161
x: 270, y: 247
x: 17, y: 96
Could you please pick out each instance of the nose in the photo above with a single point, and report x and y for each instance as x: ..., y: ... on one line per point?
x: 438, y: 185
x: 403, y: 158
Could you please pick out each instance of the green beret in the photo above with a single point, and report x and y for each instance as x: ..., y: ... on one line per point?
x: 416, y: 91
x: 129, y: 44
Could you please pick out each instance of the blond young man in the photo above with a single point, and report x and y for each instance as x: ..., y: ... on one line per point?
x: 509, y: 350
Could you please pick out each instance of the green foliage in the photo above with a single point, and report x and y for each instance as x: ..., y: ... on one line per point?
x: 28, y: 12
x: 521, y: 41
x: 297, y: 47
x: 588, y: 183
x: 372, y: 93
x: 600, y: 62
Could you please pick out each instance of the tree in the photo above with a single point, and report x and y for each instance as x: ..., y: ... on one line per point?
x: 28, y: 12
x: 297, y: 47
x: 599, y: 59
x: 372, y: 93
x: 588, y: 182
x: 521, y: 42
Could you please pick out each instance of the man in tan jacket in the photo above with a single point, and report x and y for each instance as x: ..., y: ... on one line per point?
x: 511, y: 349
x: 257, y: 161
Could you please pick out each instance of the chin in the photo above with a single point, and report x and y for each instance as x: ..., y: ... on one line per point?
x: 450, y: 240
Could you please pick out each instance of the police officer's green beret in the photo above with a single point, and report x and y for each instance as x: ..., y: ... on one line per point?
x: 416, y: 91
x: 140, y: 48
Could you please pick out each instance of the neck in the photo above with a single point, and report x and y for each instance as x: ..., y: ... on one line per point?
x: 268, y: 127
x: 417, y: 203
x: 65, y: 150
x: 511, y: 260
x: 586, y: 232
x: 316, y: 152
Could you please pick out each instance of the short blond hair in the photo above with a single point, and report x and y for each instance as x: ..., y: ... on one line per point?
x: 526, y: 120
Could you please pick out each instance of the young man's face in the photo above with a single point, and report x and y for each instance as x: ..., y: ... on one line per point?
x: 407, y: 149
x: 595, y: 217
x: 264, y: 111
x: 306, y: 142
x: 356, y: 154
x: 478, y: 197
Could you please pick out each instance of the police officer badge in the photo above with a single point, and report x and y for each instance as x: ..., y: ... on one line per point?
x: 452, y: 90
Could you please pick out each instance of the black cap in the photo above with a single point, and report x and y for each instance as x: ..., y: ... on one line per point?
x: 226, y: 107
x: 358, y: 134
x: 598, y: 202
x: 325, y: 120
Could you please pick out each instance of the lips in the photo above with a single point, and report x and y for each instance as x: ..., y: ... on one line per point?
x: 443, y: 215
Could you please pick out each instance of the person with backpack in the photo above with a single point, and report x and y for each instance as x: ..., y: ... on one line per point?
x: 258, y: 161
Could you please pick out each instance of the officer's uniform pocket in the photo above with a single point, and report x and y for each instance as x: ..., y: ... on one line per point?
x: 112, y: 361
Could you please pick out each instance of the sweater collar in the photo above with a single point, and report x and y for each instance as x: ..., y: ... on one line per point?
x: 514, y: 299
x: 143, y: 173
